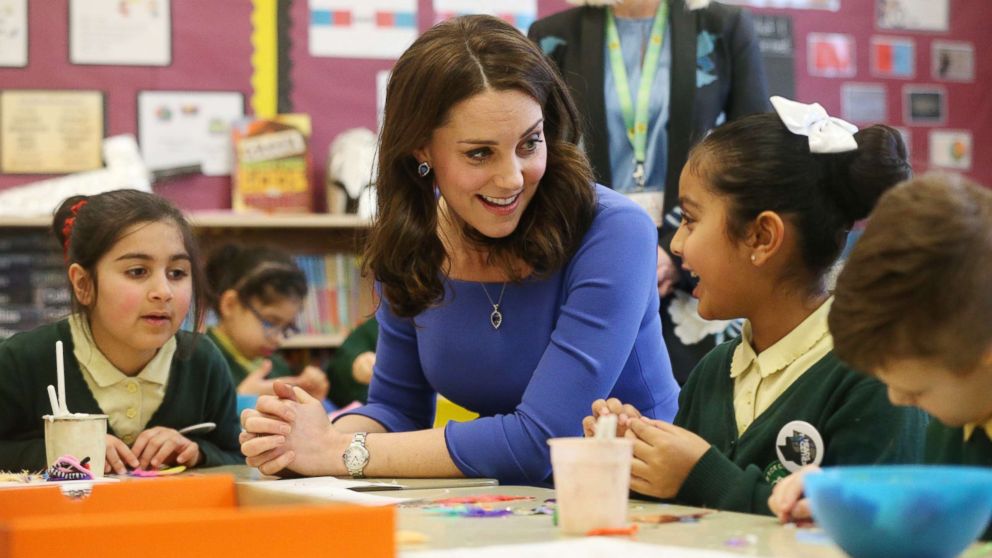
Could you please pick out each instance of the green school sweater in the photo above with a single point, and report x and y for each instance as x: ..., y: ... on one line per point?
x: 947, y: 446
x: 199, y: 389
x: 280, y: 368
x: 850, y: 411
x: 344, y: 387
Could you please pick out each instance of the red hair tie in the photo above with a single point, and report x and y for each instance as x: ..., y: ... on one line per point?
x: 67, y: 226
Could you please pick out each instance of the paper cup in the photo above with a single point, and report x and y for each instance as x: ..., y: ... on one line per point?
x: 79, y: 435
x: 592, y: 481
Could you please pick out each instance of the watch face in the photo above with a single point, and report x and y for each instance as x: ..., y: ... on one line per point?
x: 355, y: 458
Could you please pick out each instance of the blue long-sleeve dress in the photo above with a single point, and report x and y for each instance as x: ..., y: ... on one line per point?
x: 590, y: 330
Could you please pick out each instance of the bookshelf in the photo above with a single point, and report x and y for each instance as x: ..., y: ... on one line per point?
x: 305, y: 235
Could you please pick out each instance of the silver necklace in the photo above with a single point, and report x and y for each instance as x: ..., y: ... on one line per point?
x: 496, y: 317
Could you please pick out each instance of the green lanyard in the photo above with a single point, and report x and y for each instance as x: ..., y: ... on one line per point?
x: 636, y: 122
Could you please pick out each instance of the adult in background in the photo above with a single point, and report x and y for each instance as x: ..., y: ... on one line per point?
x: 651, y: 79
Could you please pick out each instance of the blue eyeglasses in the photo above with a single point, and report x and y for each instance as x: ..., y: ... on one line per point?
x: 272, y: 330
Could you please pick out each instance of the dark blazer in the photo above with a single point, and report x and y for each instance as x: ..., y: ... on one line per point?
x: 574, y: 40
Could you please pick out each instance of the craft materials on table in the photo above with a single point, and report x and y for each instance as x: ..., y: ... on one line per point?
x: 670, y: 518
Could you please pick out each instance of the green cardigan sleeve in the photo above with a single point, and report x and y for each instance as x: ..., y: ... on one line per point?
x: 344, y: 387
x: 851, y: 412
x: 22, y: 445
x: 220, y: 447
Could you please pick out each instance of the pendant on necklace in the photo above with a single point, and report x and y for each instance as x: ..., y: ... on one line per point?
x: 496, y: 318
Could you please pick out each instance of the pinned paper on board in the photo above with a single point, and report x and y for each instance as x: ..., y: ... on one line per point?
x: 380, y: 29
x: 924, y: 105
x: 893, y: 57
x: 183, y: 128
x: 951, y: 149
x: 120, y: 32
x: 912, y: 15
x: 50, y: 131
x: 830, y: 55
x: 14, y: 33
x: 863, y: 103
x: 518, y: 13
x: 952, y: 61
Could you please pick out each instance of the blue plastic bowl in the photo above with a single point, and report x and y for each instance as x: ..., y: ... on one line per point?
x: 902, y: 510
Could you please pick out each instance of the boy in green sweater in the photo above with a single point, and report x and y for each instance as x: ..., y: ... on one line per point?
x: 912, y: 308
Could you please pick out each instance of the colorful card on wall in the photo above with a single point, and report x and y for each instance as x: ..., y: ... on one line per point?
x: 272, y: 165
x: 518, y: 13
x: 182, y: 128
x: 120, y: 32
x: 830, y: 55
x: 951, y: 149
x: 44, y: 132
x: 924, y: 104
x: 14, y: 33
x: 863, y: 103
x: 369, y: 29
x: 912, y: 15
x: 893, y: 57
x: 952, y: 61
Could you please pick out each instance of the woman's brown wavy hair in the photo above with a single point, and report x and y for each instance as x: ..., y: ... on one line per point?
x: 448, y: 64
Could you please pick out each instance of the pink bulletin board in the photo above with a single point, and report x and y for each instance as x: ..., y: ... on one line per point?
x: 968, y: 105
x: 211, y: 50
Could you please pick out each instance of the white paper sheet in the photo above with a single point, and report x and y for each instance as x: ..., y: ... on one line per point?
x: 120, y: 32
x: 14, y: 33
x: 180, y: 128
x: 369, y: 29
x: 335, y: 489
x: 915, y: 15
x: 589, y: 547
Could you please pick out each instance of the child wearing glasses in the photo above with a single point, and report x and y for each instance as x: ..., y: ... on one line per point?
x: 256, y: 293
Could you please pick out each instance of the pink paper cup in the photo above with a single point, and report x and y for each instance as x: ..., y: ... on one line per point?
x: 592, y: 482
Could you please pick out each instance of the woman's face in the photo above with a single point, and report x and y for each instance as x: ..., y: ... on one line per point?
x: 488, y: 159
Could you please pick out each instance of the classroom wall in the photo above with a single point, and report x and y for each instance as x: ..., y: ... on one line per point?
x: 212, y: 50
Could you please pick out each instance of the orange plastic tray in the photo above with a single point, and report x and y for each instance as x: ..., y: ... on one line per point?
x: 185, y: 516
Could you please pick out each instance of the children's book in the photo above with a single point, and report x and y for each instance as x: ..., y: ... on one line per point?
x: 272, y: 165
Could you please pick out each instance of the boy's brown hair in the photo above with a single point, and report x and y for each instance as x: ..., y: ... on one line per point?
x: 918, y: 284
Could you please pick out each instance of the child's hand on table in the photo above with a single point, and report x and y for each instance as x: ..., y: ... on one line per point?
x: 787, y: 501
x: 612, y: 406
x: 119, y: 457
x: 664, y: 455
x: 165, y: 446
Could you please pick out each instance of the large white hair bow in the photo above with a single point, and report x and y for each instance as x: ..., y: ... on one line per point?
x: 827, y: 134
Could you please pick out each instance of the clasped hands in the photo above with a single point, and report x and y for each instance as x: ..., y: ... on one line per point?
x: 664, y: 454
x: 290, y: 431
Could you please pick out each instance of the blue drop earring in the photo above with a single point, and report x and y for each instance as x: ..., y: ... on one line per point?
x: 423, y: 169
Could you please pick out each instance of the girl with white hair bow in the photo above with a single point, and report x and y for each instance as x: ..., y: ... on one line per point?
x: 767, y: 202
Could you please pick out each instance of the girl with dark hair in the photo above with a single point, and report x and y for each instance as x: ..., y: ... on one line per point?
x: 131, y: 262
x: 767, y: 202
x: 256, y: 293
x: 511, y: 283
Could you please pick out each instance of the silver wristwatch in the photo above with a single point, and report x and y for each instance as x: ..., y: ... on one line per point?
x: 356, y: 456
